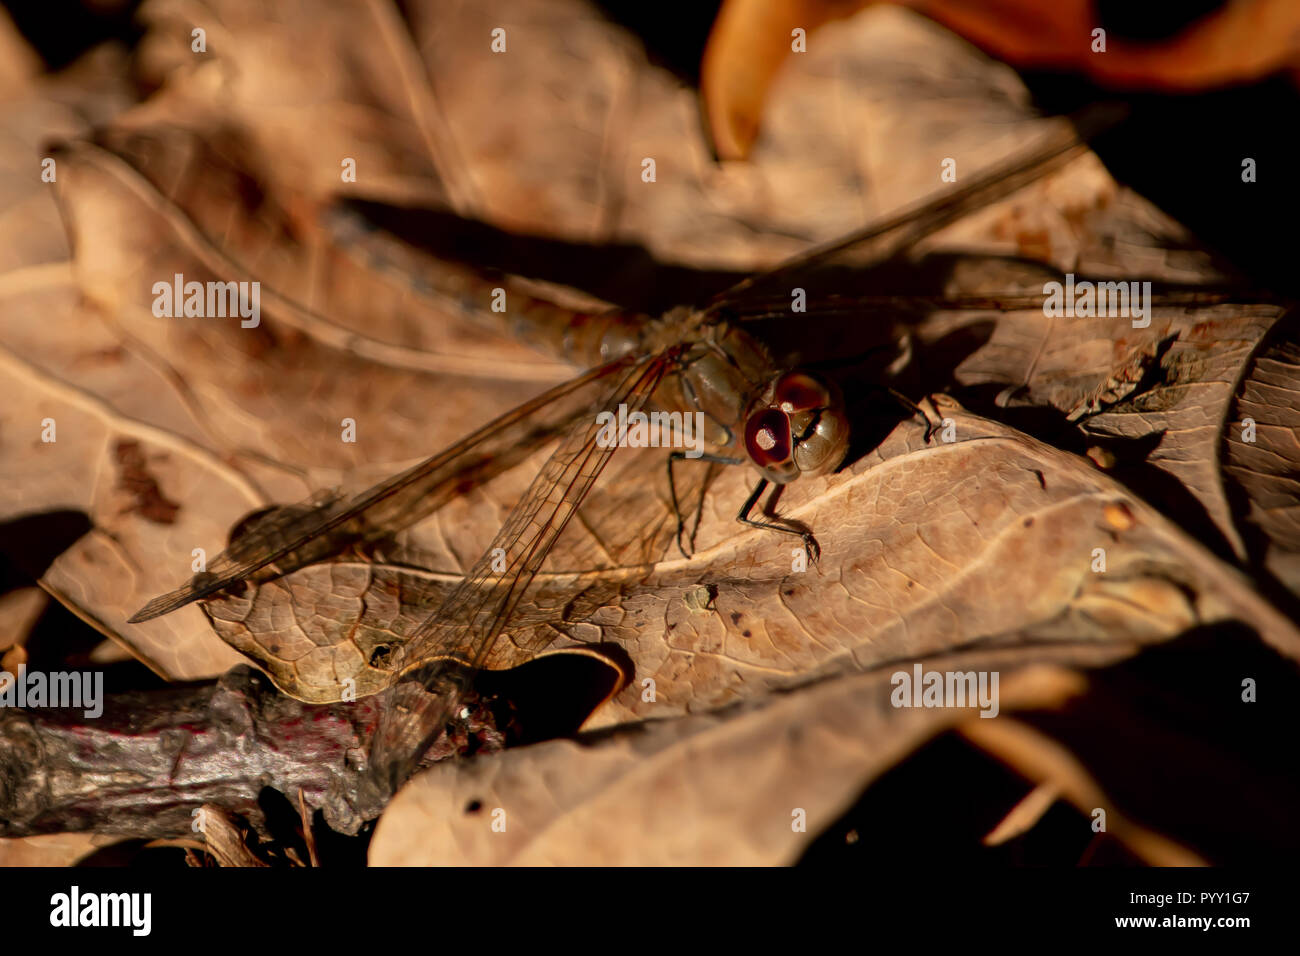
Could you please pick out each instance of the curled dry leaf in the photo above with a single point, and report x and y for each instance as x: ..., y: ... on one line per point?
x: 1182, y: 420
x: 666, y: 793
x: 749, y: 42
x: 1165, y: 395
x: 1261, y: 456
x: 1162, y: 397
x: 752, y: 40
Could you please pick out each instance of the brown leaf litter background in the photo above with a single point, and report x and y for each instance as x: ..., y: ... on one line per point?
x: 772, y: 687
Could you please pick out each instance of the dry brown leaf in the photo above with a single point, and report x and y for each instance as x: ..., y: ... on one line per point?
x: 19, y: 611
x: 748, y: 44
x: 1263, y: 474
x: 915, y: 544
x: 148, y: 148
x: 671, y: 792
x: 1186, y: 415
x: 226, y: 840
x: 19, y: 63
x: 170, y: 432
x: 274, y: 73
x: 215, y: 423
x: 1163, y: 395
x: 54, y: 849
x: 587, y: 108
x: 1024, y: 816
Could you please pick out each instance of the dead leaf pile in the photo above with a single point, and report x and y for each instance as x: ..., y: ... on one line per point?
x: 1098, y: 492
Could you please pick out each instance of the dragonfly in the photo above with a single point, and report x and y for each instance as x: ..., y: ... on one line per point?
x: 785, y: 423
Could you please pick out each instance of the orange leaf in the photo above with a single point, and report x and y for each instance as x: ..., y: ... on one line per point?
x: 1243, y: 41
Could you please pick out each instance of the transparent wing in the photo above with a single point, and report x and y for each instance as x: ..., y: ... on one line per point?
x: 467, y: 625
x: 880, y: 241
x: 767, y: 308
x: 298, y: 535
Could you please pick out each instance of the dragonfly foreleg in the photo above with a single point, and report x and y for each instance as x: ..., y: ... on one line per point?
x: 672, y: 491
x: 809, y: 542
x: 911, y: 406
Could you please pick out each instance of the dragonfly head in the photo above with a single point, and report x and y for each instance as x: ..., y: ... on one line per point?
x: 798, y: 428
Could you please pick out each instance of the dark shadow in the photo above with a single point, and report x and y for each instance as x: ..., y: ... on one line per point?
x: 936, y: 364
x: 135, y: 854
x: 874, y: 413
x: 624, y: 274
x: 59, y: 640
x: 1165, y: 734
x: 674, y: 42
x: 1257, y: 543
x: 62, y: 30
x: 30, y: 543
x: 1169, y: 738
x: 934, y: 809
x: 284, y: 826
x: 1151, y: 22
x: 1151, y: 483
x: 1044, y: 422
x: 552, y: 695
x: 335, y: 849
x: 1184, y: 153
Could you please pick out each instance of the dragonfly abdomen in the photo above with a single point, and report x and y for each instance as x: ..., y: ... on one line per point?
x: 583, y: 339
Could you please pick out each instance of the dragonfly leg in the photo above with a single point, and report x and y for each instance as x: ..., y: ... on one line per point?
x: 912, y: 407
x: 672, y: 490
x: 809, y: 542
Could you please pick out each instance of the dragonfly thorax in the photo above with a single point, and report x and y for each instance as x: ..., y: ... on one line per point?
x: 798, y: 428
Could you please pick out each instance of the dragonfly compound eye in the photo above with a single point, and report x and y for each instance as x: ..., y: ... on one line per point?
x: 800, y: 392
x: 769, y: 443
x: 819, y: 427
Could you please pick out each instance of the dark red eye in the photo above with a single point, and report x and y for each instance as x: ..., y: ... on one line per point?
x: 767, y: 437
x: 797, y: 392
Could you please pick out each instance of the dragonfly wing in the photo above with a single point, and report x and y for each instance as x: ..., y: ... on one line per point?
x: 292, y: 537
x: 466, y: 627
x: 881, y: 241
